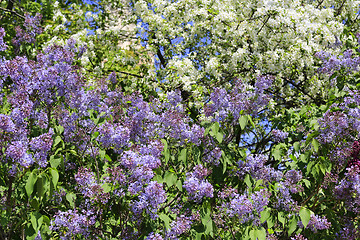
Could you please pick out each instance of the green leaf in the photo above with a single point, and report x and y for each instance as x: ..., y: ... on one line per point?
x: 54, y: 176
x: 292, y: 225
x: 304, y: 216
x: 55, y: 162
x: 182, y: 156
x: 57, y: 140
x: 252, y: 234
x: 29, y: 186
x: 297, y: 146
x: 158, y: 178
x: 251, y: 121
x: 215, y: 128
x: 281, y: 217
x: 315, y: 144
x: 71, y: 197
x: 243, y: 120
x: 166, y: 219
x: 277, y: 153
x: 247, y: 180
x: 106, y: 187
x: 206, y: 220
x: 167, y: 155
x: 170, y: 178
x: 59, y: 129
x: 36, y: 220
x: 179, y: 185
x: 40, y: 186
x: 265, y: 214
x: 219, y: 137
x: 306, y: 182
x: 260, y: 234
x: 102, y: 153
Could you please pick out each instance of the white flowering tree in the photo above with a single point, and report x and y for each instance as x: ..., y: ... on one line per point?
x: 203, y: 44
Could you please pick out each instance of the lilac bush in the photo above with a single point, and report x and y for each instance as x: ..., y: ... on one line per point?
x: 85, y: 158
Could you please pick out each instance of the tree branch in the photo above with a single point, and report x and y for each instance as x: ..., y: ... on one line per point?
x: 13, y: 12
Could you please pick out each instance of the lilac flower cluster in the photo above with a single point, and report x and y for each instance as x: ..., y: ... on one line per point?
x: 292, y: 178
x: 32, y: 28
x: 316, y: 223
x: 174, y: 98
x: 41, y: 145
x: 181, y: 225
x: 255, y: 166
x: 3, y: 45
x: 298, y: 237
x: 140, y: 165
x: 349, y: 231
x: 72, y: 223
x: 332, y: 63
x: 332, y: 126
x: 196, y: 185
x: 224, y: 104
x: 158, y: 120
x: 245, y: 208
x: 17, y: 151
x: 89, y: 187
x: 283, y: 197
x: 279, y: 135
x: 6, y: 124
x: 150, y: 199
x: 348, y: 189
x: 154, y: 236
x: 340, y: 125
x: 114, y: 135
x: 212, y: 156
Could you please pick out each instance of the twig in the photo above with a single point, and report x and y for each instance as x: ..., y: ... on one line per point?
x: 13, y: 12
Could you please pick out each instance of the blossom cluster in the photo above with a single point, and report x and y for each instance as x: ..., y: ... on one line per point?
x: 196, y: 184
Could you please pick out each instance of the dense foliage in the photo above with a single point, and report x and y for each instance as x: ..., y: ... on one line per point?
x: 179, y: 119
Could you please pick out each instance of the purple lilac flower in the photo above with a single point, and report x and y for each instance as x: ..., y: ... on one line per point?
x: 114, y: 135
x: 72, y: 223
x: 252, y: 165
x: 16, y: 150
x: 43, y: 142
x: 32, y: 28
x: 284, y: 199
x: 38, y: 236
x: 293, y: 176
x: 150, y: 199
x: 348, y: 189
x: 349, y: 232
x: 181, y: 225
x: 198, y: 189
x: 6, y: 124
x: 213, y: 156
x: 26, y: 161
x: 197, y: 186
x: 298, y: 237
x: 332, y: 63
x: 112, y: 77
x: 333, y: 125
x: 3, y: 45
x: 224, y: 104
x: 174, y: 97
x: 317, y: 223
x: 154, y: 236
x: 240, y: 207
x: 89, y: 186
x: 260, y: 200
x: 279, y: 135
